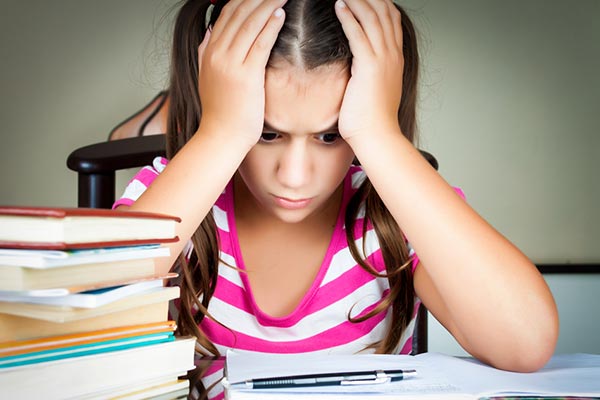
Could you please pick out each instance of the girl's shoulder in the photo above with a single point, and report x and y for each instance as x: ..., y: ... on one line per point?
x: 140, y: 181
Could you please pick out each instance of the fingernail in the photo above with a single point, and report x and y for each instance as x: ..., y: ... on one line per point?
x: 278, y: 13
x: 340, y: 4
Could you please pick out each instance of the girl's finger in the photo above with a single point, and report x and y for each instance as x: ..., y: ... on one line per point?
x: 385, y: 10
x: 261, y: 48
x: 370, y: 21
x: 359, y: 44
x: 221, y: 23
x: 232, y: 16
x: 397, y: 24
x: 255, y: 26
x: 202, y: 46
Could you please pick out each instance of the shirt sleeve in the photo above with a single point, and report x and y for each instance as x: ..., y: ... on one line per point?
x: 140, y: 182
x: 415, y: 257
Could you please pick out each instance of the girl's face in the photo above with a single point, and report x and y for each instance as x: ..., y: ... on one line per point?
x: 294, y: 170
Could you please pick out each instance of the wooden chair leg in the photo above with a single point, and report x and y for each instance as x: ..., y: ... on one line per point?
x: 420, y: 341
x: 96, y: 190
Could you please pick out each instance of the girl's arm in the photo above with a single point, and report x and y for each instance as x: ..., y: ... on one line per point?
x: 232, y: 61
x: 474, y: 281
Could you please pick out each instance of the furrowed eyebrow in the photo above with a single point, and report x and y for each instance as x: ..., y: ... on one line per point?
x: 268, y: 127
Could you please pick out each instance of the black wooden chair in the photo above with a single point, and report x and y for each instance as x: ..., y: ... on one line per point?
x: 96, y: 167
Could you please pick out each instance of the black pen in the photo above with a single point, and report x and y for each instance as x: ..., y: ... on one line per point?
x: 329, y: 379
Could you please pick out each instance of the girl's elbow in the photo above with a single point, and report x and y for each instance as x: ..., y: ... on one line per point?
x: 533, y: 348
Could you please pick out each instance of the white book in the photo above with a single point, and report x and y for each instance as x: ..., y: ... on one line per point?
x: 46, y: 259
x: 53, y: 272
x: 85, y: 377
x: 88, y: 299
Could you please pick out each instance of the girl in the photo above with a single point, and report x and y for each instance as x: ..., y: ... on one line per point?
x: 296, y: 248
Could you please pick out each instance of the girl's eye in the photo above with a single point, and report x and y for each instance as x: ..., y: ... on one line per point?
x: 268, y: 136
x: 328, y: 138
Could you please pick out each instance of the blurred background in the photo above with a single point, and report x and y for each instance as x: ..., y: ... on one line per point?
x: 510, y: 99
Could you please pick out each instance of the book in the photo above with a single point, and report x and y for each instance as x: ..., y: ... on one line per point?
x: 165, y: 388
x: 85, y: 349
x: 67, y: 228
x: 99, y: 375
x: 438, y: 376
x: 69, y: 313
x: 18, y: 347
x: 87, y: 299
x: 76, y: 283
x: 50, y: 259
x: 23, y: 324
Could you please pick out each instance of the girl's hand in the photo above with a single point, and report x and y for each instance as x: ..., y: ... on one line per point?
x: 372, y: 98
x: 231, y: 67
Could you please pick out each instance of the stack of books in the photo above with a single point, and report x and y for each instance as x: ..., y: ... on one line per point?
x: 83, y: 310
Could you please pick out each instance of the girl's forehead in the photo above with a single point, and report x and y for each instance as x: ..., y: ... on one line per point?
x: 303, y: 101
x: 284, y: 74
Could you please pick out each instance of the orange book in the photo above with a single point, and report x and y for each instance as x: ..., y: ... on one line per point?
x: 55, y: 342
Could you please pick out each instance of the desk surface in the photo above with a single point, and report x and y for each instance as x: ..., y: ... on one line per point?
x: 205, y: 379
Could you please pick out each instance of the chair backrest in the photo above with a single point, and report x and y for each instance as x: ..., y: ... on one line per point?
x: 133, y: 144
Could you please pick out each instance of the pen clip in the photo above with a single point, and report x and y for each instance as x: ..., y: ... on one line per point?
x: 379, y: 379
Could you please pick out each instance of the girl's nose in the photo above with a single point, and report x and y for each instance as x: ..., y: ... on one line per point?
x: 295, y: 167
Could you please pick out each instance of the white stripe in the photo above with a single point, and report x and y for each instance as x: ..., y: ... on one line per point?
x: 407, y: 334
x: 311, y: 325
x: 357, y: 178
x: 158, y: 165
x: 342, y: 261
x: 220, y: 218
x: 209, y: 380
x: 354, y: 347
x: 134, y: 190
x: 227, y: 272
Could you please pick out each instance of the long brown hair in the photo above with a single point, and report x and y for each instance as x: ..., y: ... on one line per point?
x: 311, y: 36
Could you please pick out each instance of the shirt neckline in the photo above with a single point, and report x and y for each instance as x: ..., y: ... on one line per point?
x: 296, y: 314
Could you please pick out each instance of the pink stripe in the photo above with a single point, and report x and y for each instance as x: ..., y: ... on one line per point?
x: 218, y: 396
x: 460, y: 192
x: 407, y: 348
x: 416, y: 308
x: 344, y: 333
x: 415, y: 262
x: 146, y: 176
x: 232, y: 294
x: 162, y: 160
x: 213, y: 368
x: 327, y: 295
x: 122, y: 201
x: 225, y: 243
x: 343, y: 286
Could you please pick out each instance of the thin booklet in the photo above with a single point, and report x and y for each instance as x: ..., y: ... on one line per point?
x: 47, y: 259
x: 87, y: 299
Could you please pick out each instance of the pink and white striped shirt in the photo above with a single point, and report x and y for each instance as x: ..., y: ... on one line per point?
x: 319, y: 324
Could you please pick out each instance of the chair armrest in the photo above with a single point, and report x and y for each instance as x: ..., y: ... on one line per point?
x: 96, y: 164
x: 115, y: 155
